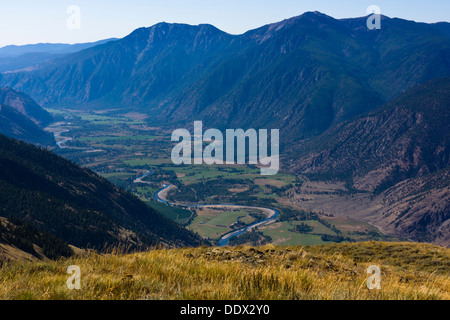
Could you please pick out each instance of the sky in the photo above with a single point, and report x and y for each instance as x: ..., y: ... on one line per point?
x: 50, y: 21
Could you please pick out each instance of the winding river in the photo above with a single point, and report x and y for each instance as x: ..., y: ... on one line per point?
x: 272, y: 214
x: 61, y: 141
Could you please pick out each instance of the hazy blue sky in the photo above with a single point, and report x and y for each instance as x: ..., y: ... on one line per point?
x: 34, y: 21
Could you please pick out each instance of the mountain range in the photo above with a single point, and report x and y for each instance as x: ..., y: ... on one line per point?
x: 369, y: 107
x: 303, y: 74
x: 14, y: 57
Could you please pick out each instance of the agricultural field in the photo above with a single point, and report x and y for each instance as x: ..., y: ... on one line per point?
x: 212, y: 223
x: 122, y: 148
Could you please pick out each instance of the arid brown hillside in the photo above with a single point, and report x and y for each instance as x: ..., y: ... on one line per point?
x: 400, y: 153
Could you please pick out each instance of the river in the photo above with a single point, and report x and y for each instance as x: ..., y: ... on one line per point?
x: 60, y: 140
x: 272, y: 214
x: 57, y: 129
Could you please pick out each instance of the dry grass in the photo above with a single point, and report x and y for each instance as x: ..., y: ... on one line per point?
x: 246, y: 273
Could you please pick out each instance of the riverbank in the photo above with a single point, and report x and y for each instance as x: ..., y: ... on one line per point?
x: 161, y: 196
x: 271, y: 214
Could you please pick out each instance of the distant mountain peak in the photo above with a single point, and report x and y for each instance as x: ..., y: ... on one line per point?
x: 315, y: 14
x: 164, y: 27
x: 310, y: 71
x: 307, y: 20
x: 49, y: 48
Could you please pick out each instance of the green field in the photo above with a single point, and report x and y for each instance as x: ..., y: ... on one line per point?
x: 200, y: 172
x: 281, y: 235
x: 130, y: 147
x: 318, y: 227
x: 214, y: 223
x: 117, y: 138
x: 102, y: 119
x: 139, y: 162
x: 176, y: 214
x: 229, y: 217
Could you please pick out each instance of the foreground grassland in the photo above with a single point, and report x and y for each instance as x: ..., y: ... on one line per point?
x: 337, y: 271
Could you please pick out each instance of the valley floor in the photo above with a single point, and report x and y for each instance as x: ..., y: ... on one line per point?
x: 136, y: 156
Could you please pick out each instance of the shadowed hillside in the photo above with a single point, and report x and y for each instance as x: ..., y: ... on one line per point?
x: 22, y: 118
x: 76, y: 205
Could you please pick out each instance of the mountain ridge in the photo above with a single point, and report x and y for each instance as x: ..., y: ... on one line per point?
x: 331, y: 83
x: 78, y: 206
x: 302, y: 74
x: 26, y: 57
x: 50, y: 48
x: 401, y: 154
x: 22, y: 118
